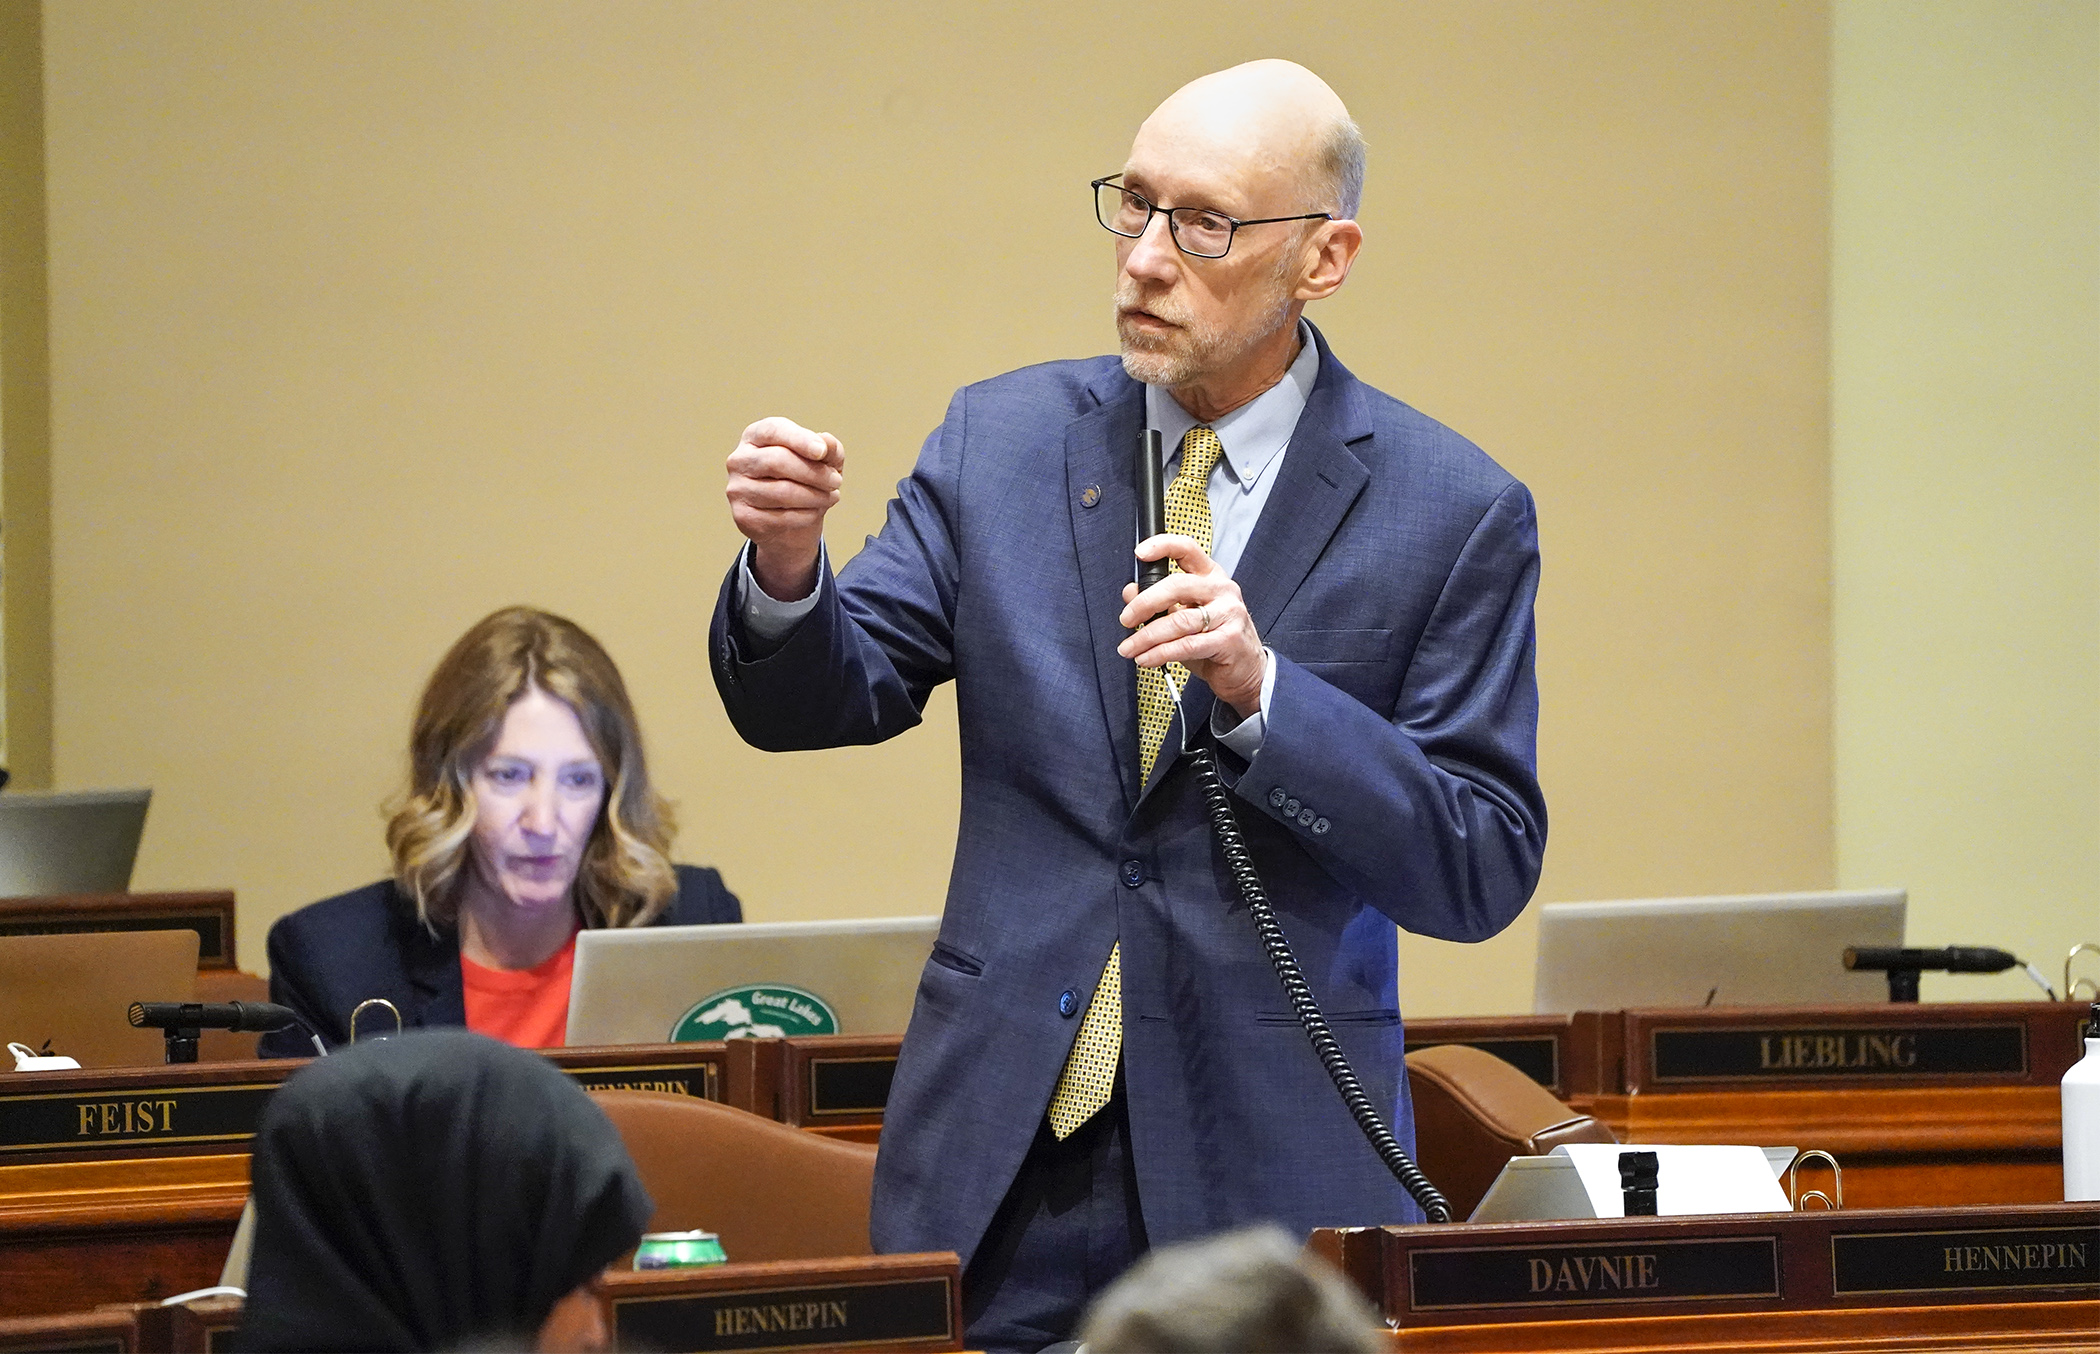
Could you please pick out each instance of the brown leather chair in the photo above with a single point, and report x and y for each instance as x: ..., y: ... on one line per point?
x: 1473, y: 1112
x: 771, y: 1192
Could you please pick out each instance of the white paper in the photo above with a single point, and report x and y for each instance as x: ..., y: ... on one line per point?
x: 1688, y: 1179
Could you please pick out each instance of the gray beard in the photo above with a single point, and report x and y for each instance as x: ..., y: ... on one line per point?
x: 1202, y: 348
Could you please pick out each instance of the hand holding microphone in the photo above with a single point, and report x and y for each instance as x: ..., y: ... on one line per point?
x: 1195, y: 616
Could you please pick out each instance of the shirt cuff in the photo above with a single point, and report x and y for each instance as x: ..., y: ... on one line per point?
x: 1243, y: 736
x: 769, y: 620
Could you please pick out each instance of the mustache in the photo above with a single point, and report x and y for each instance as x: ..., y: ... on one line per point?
x: 1162, y: 305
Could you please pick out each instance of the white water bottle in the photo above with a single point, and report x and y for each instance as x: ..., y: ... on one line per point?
x: 2082, y: 1118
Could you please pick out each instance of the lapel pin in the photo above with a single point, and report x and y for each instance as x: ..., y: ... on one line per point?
x: 1089, y: 496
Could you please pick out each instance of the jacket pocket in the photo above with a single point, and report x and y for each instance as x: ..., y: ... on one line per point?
x: 1356, y: 1018
x: 1310, y: 647
x: 948, y: 957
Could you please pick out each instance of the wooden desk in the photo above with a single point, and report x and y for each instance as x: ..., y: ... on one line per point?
x: 871, y: 1302
x: 209, y: 914
x: 2007, y: 1328
x: 880, y: 1304
x: 1898, y: 1148
x: 75, y: 1234
x: 1923, y: 1105
x: 2024, y: 1278
x: 124, y: 1185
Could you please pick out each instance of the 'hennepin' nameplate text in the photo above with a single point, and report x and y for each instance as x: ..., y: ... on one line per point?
x: 775, y: 1318
x: 1950, y: 1261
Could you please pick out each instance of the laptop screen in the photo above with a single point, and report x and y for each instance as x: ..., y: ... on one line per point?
x: 672, y: 984
x: 75, y: 991
x: 1766, y: 949
x: 73, y: 841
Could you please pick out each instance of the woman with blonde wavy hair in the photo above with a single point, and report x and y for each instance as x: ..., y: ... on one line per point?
x: 528, y: 816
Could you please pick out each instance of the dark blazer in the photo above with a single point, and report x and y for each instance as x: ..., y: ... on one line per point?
x: 329, y: 956
x: 1392, y: 573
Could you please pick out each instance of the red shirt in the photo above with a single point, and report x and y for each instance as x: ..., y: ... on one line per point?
x: 527, y: 1007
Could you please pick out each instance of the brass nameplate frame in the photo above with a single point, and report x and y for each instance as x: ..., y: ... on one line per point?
x: 792, y: 1316
x: 703, y: 1081
x: 1470, y: 1278
x: 850, y: 1085
x: 131, y: 1117
x: 1969, y: 1260
x: 118, y: 1111
x: 1792, y: 1054
x: 1536, y: 1056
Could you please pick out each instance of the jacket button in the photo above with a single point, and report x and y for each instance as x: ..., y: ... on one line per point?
x: 1321, y: 826
x: 1067, y: 1003
x: 1306, y: 817
x: 1276, y: 797
x: 1133, y: 874
x: 1291, y: 807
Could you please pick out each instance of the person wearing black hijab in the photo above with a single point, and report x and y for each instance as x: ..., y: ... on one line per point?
x: 434, y: 1191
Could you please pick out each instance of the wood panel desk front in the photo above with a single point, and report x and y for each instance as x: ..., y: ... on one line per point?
x: 143, y: 1218
x: 125, y: 1185
x: 879, y: 1304
x: 2025, y: 1278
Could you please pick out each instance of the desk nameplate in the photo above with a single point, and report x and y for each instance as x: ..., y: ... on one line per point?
x: 1898, y: 1044
x: 1474, y: 1278
x: 1537, y: 1056
x: 865, y: 1302
x: 1793, y: 1054
x: 703, y: 1081
x: 211, y: 1107
x: 128, y: 1118
x: 850, y: 1085
x: 1484, y: 1273
x: 1994, y: 1260
x: 209, y: 914
x: 836, y: 1081
x: 1570, y: 1055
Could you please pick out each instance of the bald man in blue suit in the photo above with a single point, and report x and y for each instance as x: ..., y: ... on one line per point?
x: 1358, y: 642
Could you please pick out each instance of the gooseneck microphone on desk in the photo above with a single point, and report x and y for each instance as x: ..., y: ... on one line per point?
x: 183, y: 1021
x: 1904, y: 965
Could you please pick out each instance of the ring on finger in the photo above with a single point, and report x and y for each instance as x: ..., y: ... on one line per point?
x: 1204, y: 612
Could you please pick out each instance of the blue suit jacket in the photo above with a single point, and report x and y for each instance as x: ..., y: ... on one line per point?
x: 1392, y: 573
x: 329, y: 956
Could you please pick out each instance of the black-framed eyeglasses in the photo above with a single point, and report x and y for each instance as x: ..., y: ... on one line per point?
x: 1197, y: 231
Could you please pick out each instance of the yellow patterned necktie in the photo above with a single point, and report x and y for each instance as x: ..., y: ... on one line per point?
x: 1090, y: 1069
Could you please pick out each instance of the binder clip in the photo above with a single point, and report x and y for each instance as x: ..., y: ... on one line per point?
x: 2070, y: 988
x: 1637, y: 1173
x: 359, y: 1010
x: 1837, y: 1182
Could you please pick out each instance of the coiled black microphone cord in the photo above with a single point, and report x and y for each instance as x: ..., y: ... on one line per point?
x: 1226, y: 827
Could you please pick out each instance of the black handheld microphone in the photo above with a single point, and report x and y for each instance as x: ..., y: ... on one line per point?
x: 245, y: 1017
x: 1151, y: 504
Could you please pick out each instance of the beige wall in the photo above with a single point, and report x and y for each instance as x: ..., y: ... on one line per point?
x: 25, y: 408
x: 1966, y: 476
x: 370, y: 317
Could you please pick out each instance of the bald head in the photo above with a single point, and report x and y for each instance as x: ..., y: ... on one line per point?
x: 1275, y: 122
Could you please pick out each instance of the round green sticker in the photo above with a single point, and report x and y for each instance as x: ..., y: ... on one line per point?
x: 756, y: 1011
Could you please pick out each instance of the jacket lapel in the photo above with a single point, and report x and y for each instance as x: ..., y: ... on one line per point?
x: 1100, y: 448
x: 1319, y: 479
x: 437, y: 995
